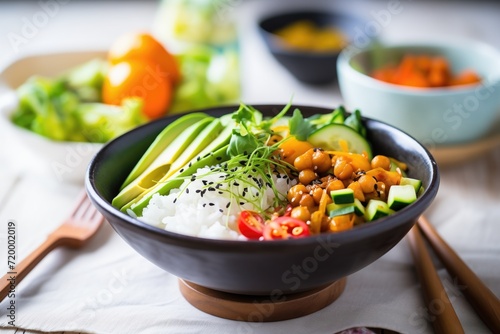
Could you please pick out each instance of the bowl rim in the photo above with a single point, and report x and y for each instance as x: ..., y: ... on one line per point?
x: 346, y: 55
x: 357, y: 233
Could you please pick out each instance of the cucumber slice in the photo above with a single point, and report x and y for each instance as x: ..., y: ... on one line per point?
x: 339, y: 209
x: 377, y: 209
x: 401, y: 196
x: 342, y: 209
x: 342, y: 196
x: 330, y: 136
x: 417, y: 184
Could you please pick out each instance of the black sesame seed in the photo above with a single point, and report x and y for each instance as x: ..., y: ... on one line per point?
x: 187, y: 190
x: 219, y: 158
x: 211, y: 204
x: 228, y: 205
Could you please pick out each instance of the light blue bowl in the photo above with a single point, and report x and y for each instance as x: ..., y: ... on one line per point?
x: 433, y: 116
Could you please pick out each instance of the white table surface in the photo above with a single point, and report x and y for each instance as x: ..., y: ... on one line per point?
x: 26, y: 192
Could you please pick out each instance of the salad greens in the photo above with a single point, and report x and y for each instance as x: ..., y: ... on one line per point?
x: 68, y: 108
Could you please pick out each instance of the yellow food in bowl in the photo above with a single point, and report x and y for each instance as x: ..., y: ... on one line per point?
x: 305, y: 35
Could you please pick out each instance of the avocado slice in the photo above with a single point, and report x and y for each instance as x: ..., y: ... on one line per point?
x: 212, y: 154
x: 164, y: 172
x: 161, y: 165
x: 162, y: 141
x: 209, y: 159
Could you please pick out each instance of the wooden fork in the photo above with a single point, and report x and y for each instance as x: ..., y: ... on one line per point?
x: 80, y: 226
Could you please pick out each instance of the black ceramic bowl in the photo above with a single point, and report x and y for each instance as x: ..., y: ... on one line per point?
x: 308, y: 67
x: 256, y: 267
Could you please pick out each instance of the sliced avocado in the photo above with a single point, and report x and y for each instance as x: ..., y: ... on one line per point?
x: 163, y: 188
x: 161, y: 165
x: 206, y: 158
x: 162, y: 141
x: 204, y: 138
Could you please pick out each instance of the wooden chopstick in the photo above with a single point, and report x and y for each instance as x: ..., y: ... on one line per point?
x: 446, y: 320
x: 481, y: 298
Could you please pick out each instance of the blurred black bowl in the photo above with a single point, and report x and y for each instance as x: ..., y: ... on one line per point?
x: 316, y: 68
x: 256, y: 267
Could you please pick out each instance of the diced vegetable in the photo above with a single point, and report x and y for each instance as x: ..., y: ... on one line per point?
x: 342, y: 196
x: 417, y: 184
x: 401, y: 196
x: 376, y: 209
x: 356, y: 207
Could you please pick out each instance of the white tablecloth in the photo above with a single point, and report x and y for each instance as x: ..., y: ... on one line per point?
x: 108, y: 288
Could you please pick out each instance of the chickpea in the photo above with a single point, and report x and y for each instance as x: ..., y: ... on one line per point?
x: 307, y: 200
x: 295, y: 194
x: 321, y: 161
x: 306, y: 176
x: 301, y: 212
x: 367, y: 183
x: 381, y: 161
x: 334, y: 185
x: 358, y: 192
x: 317, y: 193
x: 304, y: 161
x: 343, y: 169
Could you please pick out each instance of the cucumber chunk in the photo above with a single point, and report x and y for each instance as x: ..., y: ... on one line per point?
x: 330, y: 137
x: 377, y: 209
x: 342, y: 209
x: 417, y: 184
x: 401, y: 196
x: 342, y: 196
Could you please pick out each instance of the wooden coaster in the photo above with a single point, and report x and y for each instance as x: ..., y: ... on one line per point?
x: 260, y: 308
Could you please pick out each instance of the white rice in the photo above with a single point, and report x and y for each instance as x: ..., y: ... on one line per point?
x: 213, y: 215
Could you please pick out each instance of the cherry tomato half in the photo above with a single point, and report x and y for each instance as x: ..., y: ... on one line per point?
x: 285, y: 228
x: 250, y: 224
